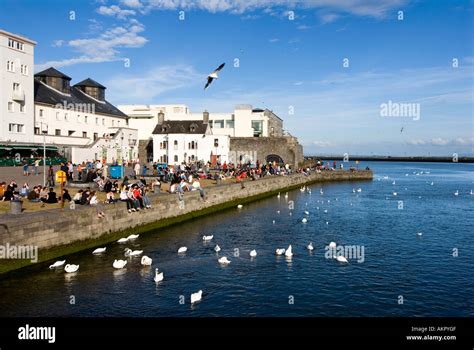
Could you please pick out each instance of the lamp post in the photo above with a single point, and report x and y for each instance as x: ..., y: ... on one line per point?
x: 44, y: 131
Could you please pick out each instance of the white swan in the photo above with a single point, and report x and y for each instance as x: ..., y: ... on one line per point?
x: 224, y: 260
x: 456, y: 193
x: 286, y: 195
x: 278, y: 212
x: 432, y: 183
x: 471, y: 193
x: 119, y: 264
x: 341, y: 259
x: 57, y: 264
x: 359, y: 190
x: 306, y: 212
x: 122, y: 240
x: 146, y: 261
x: 132, y: 237
x: 207, y: 238
x: 310, y: 246
x: 321, y: 191
x: 289, y: 252
x: 332, y: 245
x: 71, y: 268
x: 419, y: 233
x: 217, y: 249
x: 393, y: 183
x: 353, y: 190
x: 278, y: 195
x: 325, y: 210
x: 182, y: 250
x: 240, y: 206
x: 129, y: 252
x: 196, y: 297
x: 99, y: 250
x: 253, y: 253
x: 304, y: 220
x: 302, y: 189
x: 394, y: 193
x: 158, y: 276
x: 280, y: 251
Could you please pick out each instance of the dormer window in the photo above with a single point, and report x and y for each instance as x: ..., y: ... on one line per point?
x: 193, y: 128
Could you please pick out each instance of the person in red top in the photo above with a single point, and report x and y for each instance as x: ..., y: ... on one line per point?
x: 137, y: 195
x: 225, y: 167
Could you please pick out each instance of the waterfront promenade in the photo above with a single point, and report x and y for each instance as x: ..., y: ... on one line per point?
x: 57, y: 233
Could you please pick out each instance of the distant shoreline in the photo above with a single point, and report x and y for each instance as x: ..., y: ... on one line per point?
x: 396, y: 159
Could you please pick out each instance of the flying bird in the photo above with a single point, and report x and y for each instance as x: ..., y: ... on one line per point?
x: 213, y: 76
x: 401, y: 130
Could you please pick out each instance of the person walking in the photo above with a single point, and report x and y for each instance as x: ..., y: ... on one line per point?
x: 36, y: 165
x: 50, y: 181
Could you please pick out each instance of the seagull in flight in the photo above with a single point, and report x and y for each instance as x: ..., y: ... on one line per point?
x: 401, y: 130
x: 213, y: 76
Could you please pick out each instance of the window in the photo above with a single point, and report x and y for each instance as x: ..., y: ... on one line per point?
x: 177, y: 110
x: 257, y: 126
x: 16, y: 128
x: 57, y: 115
x: 14, y: 44
x: 272, y: 131
x: 22, y: 107
x: 10, y: 107
x: 16, y: 87
x: 10, y: 66
x: 103, y: 121
x: 216, y: 142
x: 70, y: 132
x: 175, y: 145
x: 113, y: 122
x: 176, y: 158
x: 96, y: 136
x: 78, y: 118
x: 41, y: 113
x: 37, y: 130
x: 218, y: 124
x: 118, y: 122
x: 57, y: 132
x: 96, y: 121
x: 84, y: 134
x: 24, y: 69
x: 229, y: 124
x: 85, y: 121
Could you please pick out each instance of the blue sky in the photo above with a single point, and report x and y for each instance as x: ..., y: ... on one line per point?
x: 287, y: 65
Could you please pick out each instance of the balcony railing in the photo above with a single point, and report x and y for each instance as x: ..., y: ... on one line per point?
x: 18, y: 95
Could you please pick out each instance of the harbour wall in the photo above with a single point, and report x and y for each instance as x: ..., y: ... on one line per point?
x: 57, y: 233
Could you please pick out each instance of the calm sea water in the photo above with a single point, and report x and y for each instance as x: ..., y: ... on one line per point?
x: 423, y: 270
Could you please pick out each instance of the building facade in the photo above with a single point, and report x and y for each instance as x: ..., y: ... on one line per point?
x: 16, y: 93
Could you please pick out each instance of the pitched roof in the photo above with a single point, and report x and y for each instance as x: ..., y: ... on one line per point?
x: 52, y: 72
x: 90, y: 82
x: 181, y: 127
x: 50, y: 96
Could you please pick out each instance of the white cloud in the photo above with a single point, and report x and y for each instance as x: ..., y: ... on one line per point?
x: 298, y: 83
x: 372, y: 8
x: 57, y: 43
x: 328, y: 17
x: 464, y: 141
x: 131, y: 3
x: 303, y: 27
x: 416, y: 142
x: 104, y: 48
x: 151, y: 84
x: 321, y: 144
x: 438, y: 141
x: 273, y: 40
x: 115, y: 11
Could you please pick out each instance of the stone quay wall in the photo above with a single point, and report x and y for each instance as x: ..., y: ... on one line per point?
x: 57, y: 233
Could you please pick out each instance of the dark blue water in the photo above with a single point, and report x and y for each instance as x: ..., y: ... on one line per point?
x: 423, y: 270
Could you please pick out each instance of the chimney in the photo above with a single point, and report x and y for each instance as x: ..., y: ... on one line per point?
x: 205, y: 117
x: 161, y: 118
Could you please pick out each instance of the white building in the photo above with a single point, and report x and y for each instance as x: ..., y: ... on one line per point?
x: 178, y: 141
x: 17, y: 95
x: 80, y: 120
x: 245, y: 121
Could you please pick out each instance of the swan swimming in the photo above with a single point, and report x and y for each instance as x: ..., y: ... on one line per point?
x: 341, y: 259
x: 304, y: 220
x: 253, y: 253
x: 332, y: 245
x: 119, y: 264
x: 129, y: 252
x: 99, y: 251
x: 310, y: 246
x: 278, y: 195
x: 224, y: 260
x: 196, y: 297
x: 207, y: 238
x: 456, y: 193
x: 146, y: 261
x: 306, y: 212
x: 289, y: 252
x: 57, y: 264
x: 217, y: 249
x: 71, y: 268
x: 240, y: 206
x: 132, y: 237
x: 182, y: 250
x: 359, y: 190
x: 280, y: 251
x: 122, y: 240
x: 158, y: 276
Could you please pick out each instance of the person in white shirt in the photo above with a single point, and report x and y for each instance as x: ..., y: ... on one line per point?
x: 137, y: 169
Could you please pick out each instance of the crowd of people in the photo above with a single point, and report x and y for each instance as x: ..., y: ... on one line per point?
x: 135, y: 188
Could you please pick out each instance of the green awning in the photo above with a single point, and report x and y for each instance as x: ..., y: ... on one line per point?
x: 29, y: 147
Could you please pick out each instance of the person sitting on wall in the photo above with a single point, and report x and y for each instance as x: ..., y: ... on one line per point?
x: 77, y: 197
x: 51, y: 197
x: 66, y: 195
x: 34, y: 195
